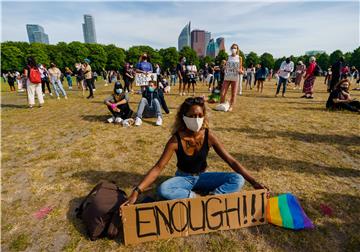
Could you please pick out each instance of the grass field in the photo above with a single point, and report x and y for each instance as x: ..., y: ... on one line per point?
x: 53, y: 156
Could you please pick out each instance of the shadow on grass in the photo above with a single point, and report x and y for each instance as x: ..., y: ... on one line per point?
x: 348, y: 140
x: 121, y: 178
x: 18, y: 106
x: 95, y: 118
x: 258, y: 162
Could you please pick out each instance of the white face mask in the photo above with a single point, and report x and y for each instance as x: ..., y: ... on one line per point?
x: 233, y: 51
x: 193, y: 124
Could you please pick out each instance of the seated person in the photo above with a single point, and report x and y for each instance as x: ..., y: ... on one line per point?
x: 191, y: 141
x: 151, y: 103
x: 119, y: 107
x: 340, y: 98
x: 164, y: 85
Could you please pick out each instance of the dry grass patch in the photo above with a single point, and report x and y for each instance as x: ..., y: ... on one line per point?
x: 54, y: 155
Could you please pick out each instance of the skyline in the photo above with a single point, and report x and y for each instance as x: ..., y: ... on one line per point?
x: 291, y: 33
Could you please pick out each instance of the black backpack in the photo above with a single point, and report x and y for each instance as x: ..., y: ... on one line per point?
x: 100, y: 210
x: 317, y: 70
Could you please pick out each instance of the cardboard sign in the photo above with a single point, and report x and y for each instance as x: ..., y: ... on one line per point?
x: 232, y: 71
x: 142, y: 79
x: 183, y: 217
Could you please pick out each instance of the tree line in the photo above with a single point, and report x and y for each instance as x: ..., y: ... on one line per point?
x: 111, y: 57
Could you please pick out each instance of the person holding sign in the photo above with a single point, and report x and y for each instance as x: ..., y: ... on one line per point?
x: 191, y: 141
x: 232, y: 71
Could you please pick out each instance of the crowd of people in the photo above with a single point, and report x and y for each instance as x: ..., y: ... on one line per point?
x: 185, y: 74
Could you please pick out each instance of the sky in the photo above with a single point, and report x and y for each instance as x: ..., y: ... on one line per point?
x: 281, y: 28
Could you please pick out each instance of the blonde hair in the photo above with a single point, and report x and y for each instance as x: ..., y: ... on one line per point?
x: 237, y: 50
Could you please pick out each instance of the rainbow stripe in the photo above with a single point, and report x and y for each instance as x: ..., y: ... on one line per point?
x: 285, y: 211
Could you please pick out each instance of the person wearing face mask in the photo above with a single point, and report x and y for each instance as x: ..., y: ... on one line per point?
x: 118, y: 105
x: 286, y: 68
x: 191, y: 141
x: 151, y: 103
x: 234, y: 57
x: 340, y: 98
x: 144, y: 65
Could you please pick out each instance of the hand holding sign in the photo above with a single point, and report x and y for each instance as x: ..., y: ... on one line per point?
x: 232, y: 71
x: 142, y: 79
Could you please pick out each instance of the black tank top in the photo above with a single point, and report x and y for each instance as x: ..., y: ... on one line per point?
x: 195, y: 163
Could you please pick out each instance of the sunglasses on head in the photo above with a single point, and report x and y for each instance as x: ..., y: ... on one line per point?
x: 195, y: 100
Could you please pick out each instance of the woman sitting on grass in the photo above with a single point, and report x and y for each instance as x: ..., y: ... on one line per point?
x: 119, y: 107
x: 191, y: 141
x: 340, y: 98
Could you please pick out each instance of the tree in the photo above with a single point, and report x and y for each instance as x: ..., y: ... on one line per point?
x: 206, y: 59
x: 39, y: 52
x: 323, y: 61
x: 347, y: 57
x: 355, y: 58
x: 12, y: 58
x: 115, y: 57
x: 335, y: 56
x: 134, y: 53
x: 170, y: 57
x: 190, y: 55
x: 59, y: 54
x: 78, y: 51
x: 97, y: 56
x: 242, y: 55
x: 267, y: 60
x: 251, y: 58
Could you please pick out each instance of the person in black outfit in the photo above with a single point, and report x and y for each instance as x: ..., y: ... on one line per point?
x: 128, y: 77
x: 11, y: 80
x: 118, y: 105
x: 191, y: 140
x: 336, y: 73
x: 340, y: 98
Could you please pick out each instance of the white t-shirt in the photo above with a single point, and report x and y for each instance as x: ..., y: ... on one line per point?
x: 235, y: 58
x: 286, y: 69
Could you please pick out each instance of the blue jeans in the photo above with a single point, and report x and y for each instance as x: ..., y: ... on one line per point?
x: 69, y: 80
x: 281, y: 81
x: 58, y: 87
x: 183, y: 184
x: 173, y: 80
x: 149, y: 110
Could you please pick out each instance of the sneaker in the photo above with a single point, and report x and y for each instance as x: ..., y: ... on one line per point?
x: 111, y: 119
x: 138, y: 121
x: 58, y: 97
x: 106, y: 85
x: 70, y: 88
x: 41, y: 105
x: 94, y: 89
x: 65, y: 97
x: 31, y: 106
x: 44, y: 95
x: 159, y: 121
x: 118, y: 120
x: 51, y: 94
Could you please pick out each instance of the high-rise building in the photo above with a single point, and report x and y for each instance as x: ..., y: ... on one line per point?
x: 184, y: 37
x: 198, y: 42
x: 212, y: 49
x: 221, y: 43
x: 89, y: 29
x: 207, y: 40
x: 37, y: 34
x: 314, y: 52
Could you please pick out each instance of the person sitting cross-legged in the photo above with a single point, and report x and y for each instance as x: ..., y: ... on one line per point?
x: 119, y: 107
x: 151, y: 103
x: 340, y: 98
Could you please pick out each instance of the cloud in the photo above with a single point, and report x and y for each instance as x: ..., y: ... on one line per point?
x: 281, y: 28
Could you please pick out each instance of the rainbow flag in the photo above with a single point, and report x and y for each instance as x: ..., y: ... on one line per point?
x: 285, y: 211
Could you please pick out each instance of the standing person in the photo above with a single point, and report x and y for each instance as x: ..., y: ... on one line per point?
x: 210, y: 76
x: 191, y: 72
x: 299, y: 73
x: 286, y: 68
x: 345, y: 72
x: 104, y: 76
x: 222, y: 73
x: 132, y: 71
x: 234, y: 57
x: 309, y: 79
x: 128, y: 77
x: 11, y: 80
x: 354, y: 73
x: 19, y: 82
x: 54, y: 74
x: 181, y: 73
x: 191, y: 141
x: 327, y: 80
x: 261, y: 75
x: 45, y: 79
x: 144, y: 65
x: 158, y: 72
x: 250, y: 75
x: 216, y: 75
x: 88, y: 78
x: 80, y: 76
x: 270, y: 74
x: 33, y: 84
x: 336, y: 71
x: 173, y: 76
x: 68, y: 75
